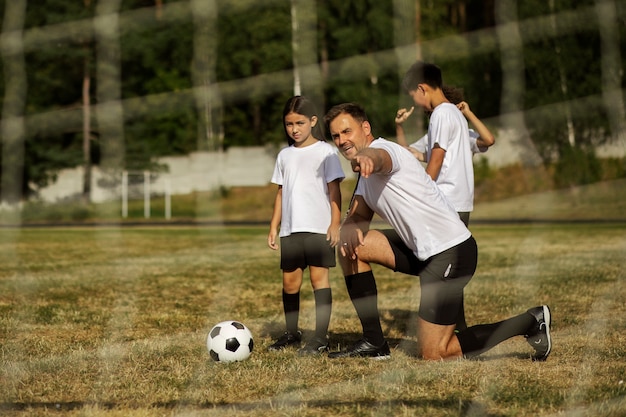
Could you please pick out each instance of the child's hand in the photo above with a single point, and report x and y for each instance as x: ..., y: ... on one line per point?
x: 332, y: 235
x: 417, y: 154
x: 403, y: 114
x: 464, y: 107
x: 271, y: 240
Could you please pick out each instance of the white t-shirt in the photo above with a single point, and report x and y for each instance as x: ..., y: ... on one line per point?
x: 410, y: 201
x: 304, y: 174
x: 421, y: 144
x: 448, y: 128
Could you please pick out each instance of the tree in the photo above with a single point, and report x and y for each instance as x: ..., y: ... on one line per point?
x: 363, y: 67
x: 87, y: 116
x: 156, y: 58
x: 175, y: 78
x: 12, y: 127
x: 567, y: 118
x: 261, y: 46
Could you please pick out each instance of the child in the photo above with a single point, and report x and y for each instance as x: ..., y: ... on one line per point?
x: 480, y: 139
x: 448, y: 152
x: 308, y: 210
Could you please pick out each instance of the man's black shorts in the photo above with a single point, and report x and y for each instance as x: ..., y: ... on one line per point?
x: 300, y: 250
x: 442, y: 277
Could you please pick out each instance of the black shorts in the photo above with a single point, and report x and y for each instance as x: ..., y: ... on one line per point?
x: 442, y: 277
x: 300, y: 250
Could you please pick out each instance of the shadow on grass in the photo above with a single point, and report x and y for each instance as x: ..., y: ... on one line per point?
x: 402, y: 320
x: 465, y: 407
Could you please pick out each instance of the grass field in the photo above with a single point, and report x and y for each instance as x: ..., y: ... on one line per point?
x: 104, y: 321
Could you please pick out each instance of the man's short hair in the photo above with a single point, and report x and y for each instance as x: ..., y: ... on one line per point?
x: 353, y: 109
x: 422, y: 73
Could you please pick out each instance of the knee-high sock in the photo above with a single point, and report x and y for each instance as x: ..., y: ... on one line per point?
x: 364, y: 295
x: 291, y: 307
x: 478, y: 339
x: 323, y: 308
x: 460, y: 319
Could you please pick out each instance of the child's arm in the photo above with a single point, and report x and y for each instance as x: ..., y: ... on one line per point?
x: 401, y: 116
x: 417, y: 154
x: 435, y: 162
x: 485, y: 138
x: 334, y: 191
x: 275, y: 222
x: 418, y: 149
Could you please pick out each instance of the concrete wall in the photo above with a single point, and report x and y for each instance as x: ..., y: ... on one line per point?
x: 199, y: 171
x: 249, y: 166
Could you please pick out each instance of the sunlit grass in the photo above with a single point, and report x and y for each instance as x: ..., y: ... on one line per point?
x: 109, y: 321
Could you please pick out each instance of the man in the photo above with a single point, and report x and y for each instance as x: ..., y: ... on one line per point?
x: 428, y: 239
x: 449, y: 145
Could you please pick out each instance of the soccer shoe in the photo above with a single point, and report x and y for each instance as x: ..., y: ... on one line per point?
x: 363, y: 349
x: 538, y: 335
x: 314, y: 347
x: 286, y: 340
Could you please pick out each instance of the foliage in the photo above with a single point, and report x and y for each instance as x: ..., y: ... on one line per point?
x: 563, y: 52
x: 152, y: 63
x: 261, y: 45
x: 577, y: 166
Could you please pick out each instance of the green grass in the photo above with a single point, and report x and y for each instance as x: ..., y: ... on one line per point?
x: 496, y: 199
x: 112, y: 321
x: 601, y: 201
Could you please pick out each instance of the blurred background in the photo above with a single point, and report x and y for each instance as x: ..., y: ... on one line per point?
x: 106, y: 101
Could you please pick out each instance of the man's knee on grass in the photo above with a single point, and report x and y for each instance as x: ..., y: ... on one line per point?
x: 438, y: 342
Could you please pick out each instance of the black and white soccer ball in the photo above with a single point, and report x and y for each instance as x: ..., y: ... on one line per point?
x: 229, y: 341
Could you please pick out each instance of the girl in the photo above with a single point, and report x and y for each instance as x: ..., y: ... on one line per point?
x: 308, y: 210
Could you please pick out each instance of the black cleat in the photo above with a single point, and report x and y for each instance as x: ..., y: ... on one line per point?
x: 363, y: 349
x: 313, y: 347
x: 538, y: 335
x: 286, y: 340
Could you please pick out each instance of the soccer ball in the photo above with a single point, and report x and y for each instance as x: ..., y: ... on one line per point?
x: 229, y: 341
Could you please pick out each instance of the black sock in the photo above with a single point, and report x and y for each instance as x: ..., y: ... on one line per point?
x: 323, y: 308
x: 291, y: 307
x: 460, y: 318
x: 364, y: 295
x: 478, y: 339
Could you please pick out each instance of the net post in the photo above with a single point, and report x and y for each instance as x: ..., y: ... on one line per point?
x: 124, y: 194
x: 146, y: 194
x: 168, y: 199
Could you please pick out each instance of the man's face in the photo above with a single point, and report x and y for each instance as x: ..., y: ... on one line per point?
x: 349, y: 135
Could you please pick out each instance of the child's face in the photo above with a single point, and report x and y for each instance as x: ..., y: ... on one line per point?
x: 420, y: 98
x: 299, y: 126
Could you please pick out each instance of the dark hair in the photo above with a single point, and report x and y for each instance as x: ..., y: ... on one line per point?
x: 304, y: 106
x: 422, y: 73
x: 353, y: 109
x: 453, y: 94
